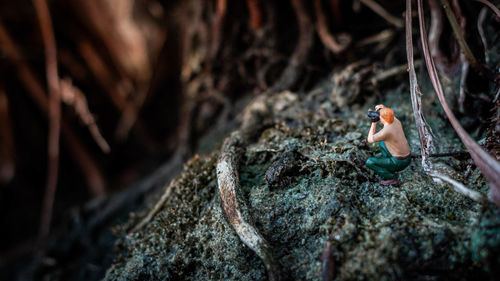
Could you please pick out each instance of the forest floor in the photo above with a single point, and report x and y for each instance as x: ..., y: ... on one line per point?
x: 304, y: 183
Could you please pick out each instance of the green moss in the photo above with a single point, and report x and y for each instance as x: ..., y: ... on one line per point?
x: 418, y: 230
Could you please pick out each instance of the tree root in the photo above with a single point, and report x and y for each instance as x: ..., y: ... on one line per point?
x: 326, y: 37
x: 235, y: 208
x: 229, y: 188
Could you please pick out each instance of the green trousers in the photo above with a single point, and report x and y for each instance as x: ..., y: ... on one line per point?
x: 386, y: 166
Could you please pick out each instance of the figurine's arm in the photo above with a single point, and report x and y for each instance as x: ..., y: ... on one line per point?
x: 372, y: 137
x: 371, y: 133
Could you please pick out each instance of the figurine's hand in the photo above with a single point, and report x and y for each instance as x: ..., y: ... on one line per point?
x: 379, y: 106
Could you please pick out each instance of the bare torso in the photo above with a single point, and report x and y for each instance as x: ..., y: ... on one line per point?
x: 395, y: 139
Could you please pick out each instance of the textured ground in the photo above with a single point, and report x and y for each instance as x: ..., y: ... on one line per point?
x: 304, y: 183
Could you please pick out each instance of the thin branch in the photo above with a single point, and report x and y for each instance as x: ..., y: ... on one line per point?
x: 393, y: 71
x: 464, y: 71
x: 457, y: 32
x: 159, y: 204
x: 460, y: 188
x: 480, y: 21
x: 43, y: 14
x: 426, y: 144
x: 485, y: 162
x: 491, y: 6
x: 379, y: 10
x: 325, y: 36
x: 381, y: 37
x: 72, y: 96
x: 93, y: 176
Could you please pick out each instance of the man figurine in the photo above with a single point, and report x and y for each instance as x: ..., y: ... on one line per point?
x: 393, y: 144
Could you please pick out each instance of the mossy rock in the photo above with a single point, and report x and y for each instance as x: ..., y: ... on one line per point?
x: 420, y: 230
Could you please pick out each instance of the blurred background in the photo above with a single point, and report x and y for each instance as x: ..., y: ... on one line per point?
x: 142, y: 85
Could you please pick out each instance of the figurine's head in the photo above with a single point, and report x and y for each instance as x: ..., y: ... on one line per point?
x: 387, y: 115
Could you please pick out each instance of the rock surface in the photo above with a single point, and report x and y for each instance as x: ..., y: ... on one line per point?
x: 317, y: 192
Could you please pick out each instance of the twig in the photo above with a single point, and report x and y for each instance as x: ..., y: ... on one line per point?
x: 7, y: 147
x: 485, y: 162
x: 325, y: 36
x: 464, y: 71
x: 379, y: 10
x: 457, y: 32
x: 115, y: 90
x: 460, y: 188
x: 480, y: 21
x: 158, y: 205
x: 94, y: 178
x: 380, y: 37
x: 75, y: 98
x: 491, y: 6
x: 463, y: 84
x: 43, y: 14
x: 381, y: 76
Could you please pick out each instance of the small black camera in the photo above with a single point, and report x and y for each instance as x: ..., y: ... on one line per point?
x: 374, y: 115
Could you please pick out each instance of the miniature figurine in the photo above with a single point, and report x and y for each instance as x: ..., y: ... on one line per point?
x: 392, y: 142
